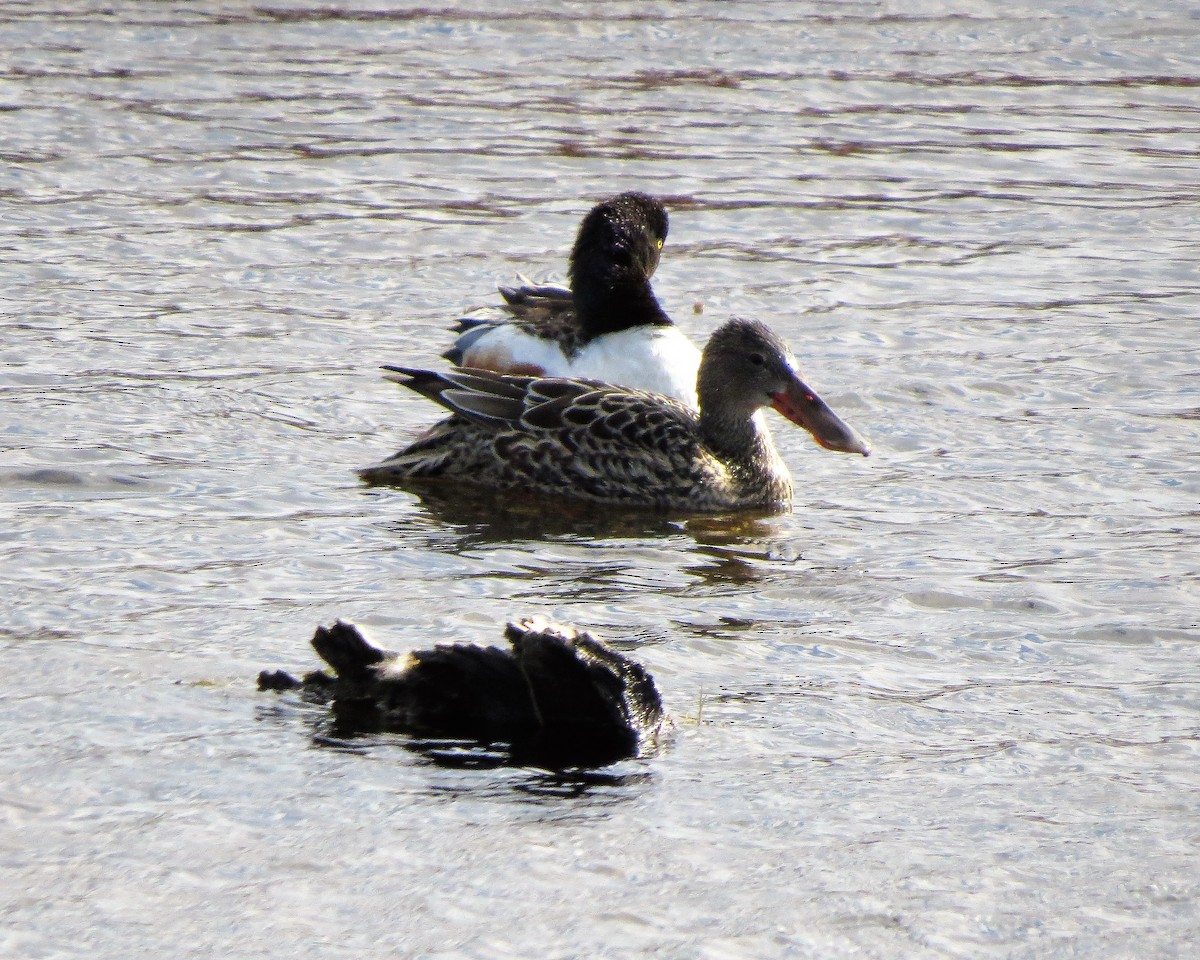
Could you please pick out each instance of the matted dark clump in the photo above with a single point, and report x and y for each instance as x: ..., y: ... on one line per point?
x: 558, y: 697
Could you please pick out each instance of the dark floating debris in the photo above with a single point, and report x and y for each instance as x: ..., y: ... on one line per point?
x: 558, y: 698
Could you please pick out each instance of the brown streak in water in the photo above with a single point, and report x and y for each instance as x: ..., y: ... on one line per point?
x: 711, y: 77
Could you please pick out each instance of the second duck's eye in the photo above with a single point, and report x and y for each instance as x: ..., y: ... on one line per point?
x: 757, y: 359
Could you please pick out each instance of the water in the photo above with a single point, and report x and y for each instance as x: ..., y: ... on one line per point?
x: 948, y: 707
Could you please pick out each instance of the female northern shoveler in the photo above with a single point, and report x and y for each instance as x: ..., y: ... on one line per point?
x: 608, y: 326
x: 596, y: 441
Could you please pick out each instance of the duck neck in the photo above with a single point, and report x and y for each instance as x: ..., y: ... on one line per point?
x: 744, y: 445
x: 736, y: 437
x: 606, y: 307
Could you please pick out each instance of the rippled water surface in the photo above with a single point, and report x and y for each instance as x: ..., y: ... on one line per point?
x: 948, y: 707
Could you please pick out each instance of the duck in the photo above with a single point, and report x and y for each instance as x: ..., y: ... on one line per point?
x: 556, y: 697
x: 588, y: 440
x: 607, y: 326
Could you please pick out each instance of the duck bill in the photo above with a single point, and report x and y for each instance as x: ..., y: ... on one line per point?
x: 803, y: 407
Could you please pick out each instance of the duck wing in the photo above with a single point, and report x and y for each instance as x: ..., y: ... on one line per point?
x: 595, y: 414
x: 577, y: 438
x: 479, y: 395
x: 535, y: 331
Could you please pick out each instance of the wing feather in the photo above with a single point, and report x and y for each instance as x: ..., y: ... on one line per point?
x: 550, y: 435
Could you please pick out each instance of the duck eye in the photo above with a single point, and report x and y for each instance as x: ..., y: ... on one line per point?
x: 660, y: 243
x: 757, y: 359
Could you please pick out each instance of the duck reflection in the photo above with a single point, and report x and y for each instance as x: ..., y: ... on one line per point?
x: 738, y: 547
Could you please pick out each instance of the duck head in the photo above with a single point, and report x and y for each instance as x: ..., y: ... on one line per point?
x: 616, y: 253
x: 746, y: 366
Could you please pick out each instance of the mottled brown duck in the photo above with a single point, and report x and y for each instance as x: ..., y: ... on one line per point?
x: 600, y: 442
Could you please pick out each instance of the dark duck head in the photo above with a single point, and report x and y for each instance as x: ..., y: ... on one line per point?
x: 615, y: 254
